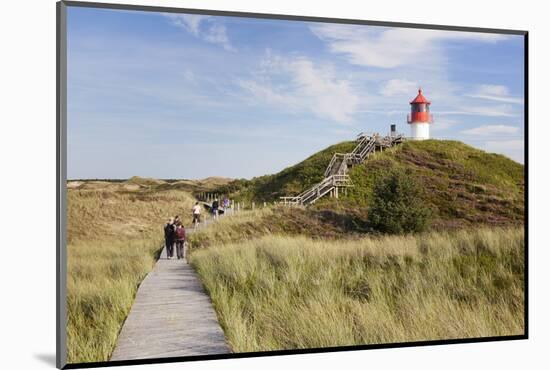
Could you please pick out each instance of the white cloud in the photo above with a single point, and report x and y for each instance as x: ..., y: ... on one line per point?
x: 443, y: 125
x: 391, y: 47
x: 499, y: 90
x: 297, y: 85
x: 189, y: 76
x: 487, y: 130
x: 495, y: 92
x: 488, y: 111
x: 398, y: 87
x: 190, y: 22
x: 203, y: 27
x: 218, y: 35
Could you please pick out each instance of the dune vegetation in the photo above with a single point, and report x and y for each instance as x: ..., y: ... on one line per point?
x: 291, y: 180
x: 279, y: 292
x: 319, y: 276
x: 463, y: 186
x: 279, y: 220
x: 114, y: 238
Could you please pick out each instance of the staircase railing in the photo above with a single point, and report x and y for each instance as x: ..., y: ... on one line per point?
x: 324, y: 187
x: 333, y: 163
x: 336, y: 172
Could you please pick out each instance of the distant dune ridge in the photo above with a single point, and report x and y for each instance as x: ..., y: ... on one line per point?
x: 136, y: 183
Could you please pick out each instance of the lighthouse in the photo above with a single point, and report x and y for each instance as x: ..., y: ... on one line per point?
x: 420, y: 117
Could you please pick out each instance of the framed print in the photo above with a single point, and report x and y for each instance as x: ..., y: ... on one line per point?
x: 239, y: 184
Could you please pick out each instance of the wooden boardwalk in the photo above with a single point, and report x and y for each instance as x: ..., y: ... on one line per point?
x: 171, y: 316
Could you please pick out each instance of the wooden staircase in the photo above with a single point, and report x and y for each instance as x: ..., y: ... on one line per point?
x: 336, y: 174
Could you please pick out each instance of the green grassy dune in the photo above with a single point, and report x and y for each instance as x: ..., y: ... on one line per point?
x: 290, y: 181
x: 462, y: 185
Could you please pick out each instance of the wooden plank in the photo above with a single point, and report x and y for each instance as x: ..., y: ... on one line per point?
x: 171, y: 316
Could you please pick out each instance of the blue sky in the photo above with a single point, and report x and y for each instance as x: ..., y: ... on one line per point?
x: 191, y: 96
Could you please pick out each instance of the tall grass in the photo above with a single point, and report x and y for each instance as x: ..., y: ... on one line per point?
x: 235, y: 227
x: 280, y: 292
x: 280, y: 220
x: 114, y: 238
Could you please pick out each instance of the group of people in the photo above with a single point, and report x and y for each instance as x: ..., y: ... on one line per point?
x: 216, y: 207
x: 174, y: 236
x: 174, y: 231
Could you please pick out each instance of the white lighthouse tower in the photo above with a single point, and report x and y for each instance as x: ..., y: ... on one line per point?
x: 420, y: 117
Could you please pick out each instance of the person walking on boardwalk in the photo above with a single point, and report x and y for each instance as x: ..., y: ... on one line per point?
x: 180, y: 239
x: 225, y: 205
x: 169, y: 236
x: 196, y: 214
x: 215, y: 207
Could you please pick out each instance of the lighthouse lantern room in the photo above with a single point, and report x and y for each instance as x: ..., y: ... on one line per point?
x: 420, y: 117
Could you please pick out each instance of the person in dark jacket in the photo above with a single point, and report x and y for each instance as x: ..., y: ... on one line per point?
x: 180, y: 239
x: 215, y: 207
x: 169, y: 237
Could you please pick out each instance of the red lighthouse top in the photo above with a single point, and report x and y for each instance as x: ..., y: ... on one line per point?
x: 420, y: 99
x: 420, y: 110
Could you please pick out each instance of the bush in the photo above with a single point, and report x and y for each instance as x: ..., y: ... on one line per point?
x: 397, y: 206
